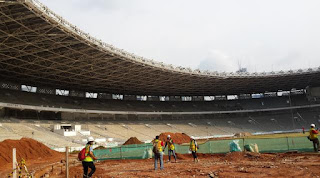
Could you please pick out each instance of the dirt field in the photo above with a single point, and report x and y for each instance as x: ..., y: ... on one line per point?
x: 44, y: 162
x: 37, y: 155
x: 217, y: 165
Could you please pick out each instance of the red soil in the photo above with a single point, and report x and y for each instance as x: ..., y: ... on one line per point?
x: 234, y: 164
x: 27, y: 149
x: 178, y: 138
x: 132, y: 140
x: 30, y: 150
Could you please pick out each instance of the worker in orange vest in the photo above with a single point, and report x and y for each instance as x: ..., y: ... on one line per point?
x: 171, y: 148
x: 194, y: 148
x: 88, y: 161
x: 313, y: 136
x: 158, y: 152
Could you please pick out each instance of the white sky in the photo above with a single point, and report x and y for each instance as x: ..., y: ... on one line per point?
x: 262, y: 35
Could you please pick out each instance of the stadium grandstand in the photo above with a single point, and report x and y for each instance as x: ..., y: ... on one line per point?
x: 52, y: 73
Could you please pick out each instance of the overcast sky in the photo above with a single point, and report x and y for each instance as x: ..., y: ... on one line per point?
x: 261, y: 35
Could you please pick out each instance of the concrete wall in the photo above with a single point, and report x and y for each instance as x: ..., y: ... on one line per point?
x: 66, y: 133
x: 77, y: 128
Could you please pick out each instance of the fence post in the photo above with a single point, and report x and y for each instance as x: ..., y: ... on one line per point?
x: 288, y: 143
x: 67, y: 162
x: 120, y: 153
x: 243, y: 144
x: 210, y: 147
x: 14, y: 163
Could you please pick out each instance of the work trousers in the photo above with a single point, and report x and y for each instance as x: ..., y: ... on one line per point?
x: 315, y: 144
x: 173, y: 153
x: 86, y: 166
x: 194, y: 154
x: 158, y: 156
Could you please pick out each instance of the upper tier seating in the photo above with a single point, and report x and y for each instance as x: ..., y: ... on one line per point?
x: 18, y: 97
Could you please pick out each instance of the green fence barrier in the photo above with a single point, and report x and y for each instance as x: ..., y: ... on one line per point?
x: 140, y: 151
x: 277, y: 145
x: 265, y: 145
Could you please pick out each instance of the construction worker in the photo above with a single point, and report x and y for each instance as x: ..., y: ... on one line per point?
x: 313, y: 136
x: 158, y: 152
x: 171, y: 148
x: 193, y: 148
x: 88, y: 161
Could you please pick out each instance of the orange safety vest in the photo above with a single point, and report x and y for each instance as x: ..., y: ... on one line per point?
x: 313, y: 135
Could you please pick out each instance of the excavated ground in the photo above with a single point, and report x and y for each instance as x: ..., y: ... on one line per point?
x: 217, y: 165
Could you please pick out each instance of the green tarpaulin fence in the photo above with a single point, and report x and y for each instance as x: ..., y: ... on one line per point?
x: 265, y: 145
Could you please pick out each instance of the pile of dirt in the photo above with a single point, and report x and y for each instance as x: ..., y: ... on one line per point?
x: 27, y: 149
x: 132, y: 140
x: 178, y: 138
x: 100, y: 148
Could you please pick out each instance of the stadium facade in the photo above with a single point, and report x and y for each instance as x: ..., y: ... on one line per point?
x: 43, y: 54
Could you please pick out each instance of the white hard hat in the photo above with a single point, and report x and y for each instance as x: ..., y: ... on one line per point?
x: 312, y: 125
x: 168, y: 136
x: 192, y: 137
x: 90, y: 139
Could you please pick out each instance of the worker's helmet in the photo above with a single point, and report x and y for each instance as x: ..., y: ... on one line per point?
x: 312, y: 125
x: 168, y: 136
x: 90, y: 139
x: 192, y: 137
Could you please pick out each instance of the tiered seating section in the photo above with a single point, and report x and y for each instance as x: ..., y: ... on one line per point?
x: 145, y: 127
x: 146, y: 130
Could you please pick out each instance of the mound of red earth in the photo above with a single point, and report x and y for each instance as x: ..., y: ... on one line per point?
x: 100, y: 148
x: 178, y: 138
x: 132, y: 140
x: 27, y: 149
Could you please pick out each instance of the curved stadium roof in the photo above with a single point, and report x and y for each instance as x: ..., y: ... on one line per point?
x: 39, y: 48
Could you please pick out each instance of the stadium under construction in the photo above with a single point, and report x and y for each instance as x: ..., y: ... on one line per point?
x: 60, y: 86
x: 53, y: 72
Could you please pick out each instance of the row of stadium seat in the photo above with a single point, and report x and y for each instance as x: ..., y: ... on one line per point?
x: 145, y: 130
